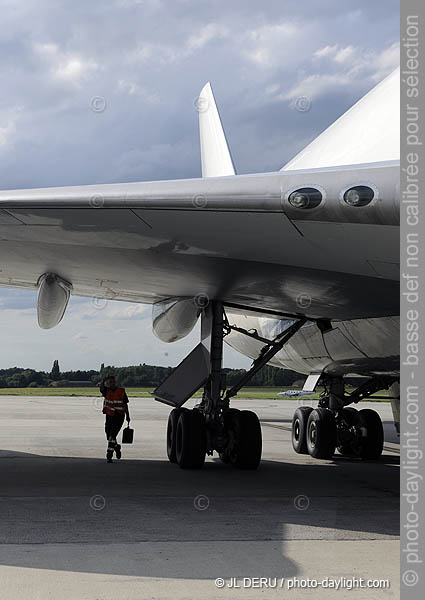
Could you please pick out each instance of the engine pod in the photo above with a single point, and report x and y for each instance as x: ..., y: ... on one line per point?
x: 53, y: 298
x: 174, y: 318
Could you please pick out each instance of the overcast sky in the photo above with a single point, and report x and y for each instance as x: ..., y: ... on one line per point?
x: 144, y: 62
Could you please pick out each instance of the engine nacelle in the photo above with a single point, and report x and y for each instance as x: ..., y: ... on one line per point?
x: 174, y: 318
x: 53, y: 298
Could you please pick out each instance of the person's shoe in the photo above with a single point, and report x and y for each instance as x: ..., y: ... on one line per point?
x: 109, y: 455
x: 118, y: 451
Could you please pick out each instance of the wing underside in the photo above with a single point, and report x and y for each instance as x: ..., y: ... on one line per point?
x: 234, y: 238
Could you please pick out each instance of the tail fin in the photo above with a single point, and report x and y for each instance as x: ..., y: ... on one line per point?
x: 215, y: 154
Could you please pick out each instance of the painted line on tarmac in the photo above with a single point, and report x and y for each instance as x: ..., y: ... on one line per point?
x: 387, y: 447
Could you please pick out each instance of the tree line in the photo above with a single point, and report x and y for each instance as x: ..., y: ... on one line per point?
x: 142, y: 375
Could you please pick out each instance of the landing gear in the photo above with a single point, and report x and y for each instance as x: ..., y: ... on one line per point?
x: 191, y: 440
x: 335, y: 425
x: 299, y: 429
x: 228, y: 420
x: 321, y: 433
x: 245, y: 440
x: 346, y: 434
x: 173, y: 418
x: 360, y: 433
x: 212, y: 426
x: 371, y: 438
x: 186, y: 438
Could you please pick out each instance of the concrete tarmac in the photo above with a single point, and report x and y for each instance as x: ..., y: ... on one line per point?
x: 73, y: 527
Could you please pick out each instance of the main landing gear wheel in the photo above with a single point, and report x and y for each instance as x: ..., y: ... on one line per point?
x: 345, y: 436
x: 173, y: 418
x: 227, y: 418
x: 299, y: 429
x: 371, y: 440
x: 247, y: 440
x: 321, y: 433
x: 191, y: 440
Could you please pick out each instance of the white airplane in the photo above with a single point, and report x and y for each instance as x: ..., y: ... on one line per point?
x: 295, y: 393
x: 297, y: 269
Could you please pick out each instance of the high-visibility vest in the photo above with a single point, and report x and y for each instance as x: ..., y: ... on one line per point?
x: 114, y: 401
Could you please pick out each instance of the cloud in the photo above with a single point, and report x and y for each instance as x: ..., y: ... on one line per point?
x: 344, y: 54
x: 133, y: 88
x: 69, y: 67
x: 12, y: 299
x: 326, y: 51
x: 338, y: 54
x: 348, y: 67
x: 316, y: 85
x: 79, y: 336
x: 206, y: 34
x: 99, y: 309
x: 387, y: 61
x: 267, y: 45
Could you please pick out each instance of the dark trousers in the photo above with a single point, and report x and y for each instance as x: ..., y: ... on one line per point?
x: 113, y: 424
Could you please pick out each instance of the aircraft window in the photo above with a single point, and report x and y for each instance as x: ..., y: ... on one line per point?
x: 305, y: 198
x: 360, y: 195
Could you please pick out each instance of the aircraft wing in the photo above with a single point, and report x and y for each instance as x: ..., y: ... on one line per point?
x: 299, y: 241
x: 236, y: 238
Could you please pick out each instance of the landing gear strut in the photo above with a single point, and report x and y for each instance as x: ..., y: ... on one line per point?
x: 212, y: 425
x: 334, y: 425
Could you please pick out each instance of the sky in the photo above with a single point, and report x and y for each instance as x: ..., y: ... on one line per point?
x: 104, y: 92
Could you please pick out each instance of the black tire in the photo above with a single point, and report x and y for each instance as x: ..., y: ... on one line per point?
x: 299, y: 429
x: 350, y: 413
x: 173, y: 418
x: 228, y: 416
x: 321, y: 433
x: 350, y: 416
x: 191, y: 440
x: 227, y: 421
x: 247, y: 443
x: 372, y: 444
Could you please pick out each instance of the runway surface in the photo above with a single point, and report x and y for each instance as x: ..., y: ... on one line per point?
x: 73, y: 527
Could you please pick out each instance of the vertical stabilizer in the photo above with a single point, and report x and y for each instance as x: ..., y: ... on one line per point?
x: 215, y: 155
x: 368, y: 132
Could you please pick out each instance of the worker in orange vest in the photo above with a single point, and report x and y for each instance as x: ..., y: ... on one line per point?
x: 115, y: 408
